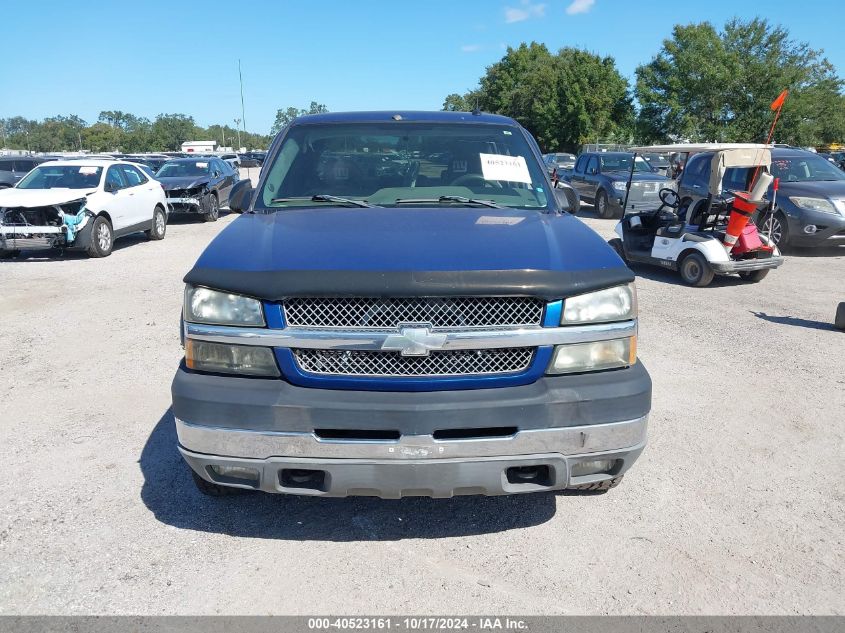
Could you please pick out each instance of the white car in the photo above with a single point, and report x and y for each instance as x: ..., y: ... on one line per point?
x: 80, y: 205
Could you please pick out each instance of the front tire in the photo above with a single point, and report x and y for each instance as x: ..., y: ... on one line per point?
x: 215, y: 490
x: 840, y: 316
x: 212, y: 209
x: 695, y: 271
x: 602, y: 205
x: 754, y: 276
x: 159, y: 226
x: 102, y: 238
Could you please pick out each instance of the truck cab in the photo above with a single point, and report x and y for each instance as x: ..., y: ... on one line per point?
x: 405, y: 308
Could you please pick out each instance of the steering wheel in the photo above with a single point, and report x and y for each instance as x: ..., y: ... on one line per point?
x: 478, y: 179
x: 669, y: 197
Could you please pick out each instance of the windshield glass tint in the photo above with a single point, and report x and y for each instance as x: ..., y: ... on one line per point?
x: 62, y: 177
x: 800, y: 169
x: 381, y: 163
x: 622, y: 162
x: 183, y: 169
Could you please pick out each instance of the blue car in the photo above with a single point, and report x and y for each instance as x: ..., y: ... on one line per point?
x: 405, y: 307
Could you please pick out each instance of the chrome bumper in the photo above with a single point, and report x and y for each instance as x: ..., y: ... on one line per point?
x: 263, y: 444
x: 413, y: 465
x: 184, y: 201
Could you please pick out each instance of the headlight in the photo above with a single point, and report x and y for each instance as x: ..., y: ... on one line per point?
x: 813, y: 204
x: 595, y: 356
x: 203, y: 305
x: 619, y: 185
x: 230, y: 359
x: 612, y: 304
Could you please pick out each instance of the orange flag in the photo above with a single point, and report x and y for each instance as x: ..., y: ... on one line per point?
x: 778, y: 103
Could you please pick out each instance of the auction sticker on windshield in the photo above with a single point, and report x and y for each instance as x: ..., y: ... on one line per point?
x: 501, y: 167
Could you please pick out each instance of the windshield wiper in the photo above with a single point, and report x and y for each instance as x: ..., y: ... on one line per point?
x: 320, y: 197
x: 442, y: 199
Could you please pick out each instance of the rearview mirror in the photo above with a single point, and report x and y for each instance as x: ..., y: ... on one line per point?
x: 563, y: 201
x: 241, y: 196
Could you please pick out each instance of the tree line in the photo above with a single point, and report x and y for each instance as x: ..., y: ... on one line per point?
x: 704, y: 84
x: 116, y: 131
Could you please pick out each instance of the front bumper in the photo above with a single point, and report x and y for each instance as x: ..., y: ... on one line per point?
x: 746, y: 265
x: 273, y: 427
x: 184, y: 205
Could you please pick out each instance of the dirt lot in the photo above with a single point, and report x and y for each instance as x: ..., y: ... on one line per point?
x: 735, y: 507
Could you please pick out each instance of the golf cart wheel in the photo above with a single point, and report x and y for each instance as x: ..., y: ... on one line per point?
x: 215, y: 490
x: 616, y: 243
x: 212, y: 206
x: 754, y: 275
x: 603, y: 206
x: 695, y: 271
x: 599, y: 486
x: 840, y: 316
x: 776, y: 226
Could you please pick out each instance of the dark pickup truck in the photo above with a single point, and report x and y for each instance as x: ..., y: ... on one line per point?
x: 601, y: 178
x: 406, y: 308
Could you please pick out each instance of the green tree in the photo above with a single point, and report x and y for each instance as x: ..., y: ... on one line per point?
x: 564, y: 99
x: 169, y: 131
x: 707, y: 85
x: 284, y: 117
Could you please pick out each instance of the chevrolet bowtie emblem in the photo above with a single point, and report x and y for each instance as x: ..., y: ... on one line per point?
x: 414, y: 341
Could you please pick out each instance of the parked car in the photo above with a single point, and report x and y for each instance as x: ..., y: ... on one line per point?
x: 233, y: 159
x: 601, y: 178
x: 430, y: 322
x: 660, y: 163
x: 13, y: 168
x: 810, y: 202
x: 80, y: 205
x: 559, y: 162
x: 197, y: 185
x: 153, y: 162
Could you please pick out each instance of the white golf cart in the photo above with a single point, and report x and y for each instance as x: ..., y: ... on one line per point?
x: 695, y: 245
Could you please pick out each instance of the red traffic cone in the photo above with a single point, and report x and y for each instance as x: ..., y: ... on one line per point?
x: 741, y: 211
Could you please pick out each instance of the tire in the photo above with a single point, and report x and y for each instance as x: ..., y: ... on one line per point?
x: 780, y: 228
x: 602, y: 205
x: 102, y: 238
x: 216, y: 490
x: 695, y: 271
x: 8, y: 254
x: 159, y: 227
x: 213, y: 209
x: 840, y: 316
x: 754, y: 276
x: 599, y: 486
x: 616, y: 243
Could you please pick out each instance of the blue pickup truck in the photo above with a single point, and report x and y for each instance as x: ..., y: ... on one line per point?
x: 405, y: 308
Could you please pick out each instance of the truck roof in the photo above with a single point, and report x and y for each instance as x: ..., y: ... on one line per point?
x: 404, y: 115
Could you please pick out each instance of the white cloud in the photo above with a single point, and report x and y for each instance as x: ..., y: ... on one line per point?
x: 525, y: 11
x: 580, y: 6
x: 470, y: 48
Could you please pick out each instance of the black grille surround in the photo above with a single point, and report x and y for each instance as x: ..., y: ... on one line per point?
x: 390, y: 313
x: 481, y: 362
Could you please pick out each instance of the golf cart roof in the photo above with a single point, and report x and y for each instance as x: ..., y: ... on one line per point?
x: 725, y: 156
x: 682, y: 148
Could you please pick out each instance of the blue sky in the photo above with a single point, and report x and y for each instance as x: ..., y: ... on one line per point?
x: 181, y: 56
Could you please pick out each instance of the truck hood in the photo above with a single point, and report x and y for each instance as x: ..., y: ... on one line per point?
x: 29, y: 198
x: 638, y: 177
x: 407, y: 251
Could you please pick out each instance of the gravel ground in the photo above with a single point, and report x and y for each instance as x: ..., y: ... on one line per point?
x: 734, y: 507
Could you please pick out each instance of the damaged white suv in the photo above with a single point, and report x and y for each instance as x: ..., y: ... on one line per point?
x: 80, y: 205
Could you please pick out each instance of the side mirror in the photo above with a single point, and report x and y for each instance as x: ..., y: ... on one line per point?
x: 216, y: 174
x: 110, y: 187
x: 241, y: 196
x: 563, y: 201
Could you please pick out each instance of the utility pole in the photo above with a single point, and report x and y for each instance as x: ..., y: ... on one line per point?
x: 238, y: 126
x: 243, y: 111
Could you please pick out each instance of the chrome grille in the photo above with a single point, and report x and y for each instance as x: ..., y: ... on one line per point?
x: 393, y: 364
x: 389, y: 313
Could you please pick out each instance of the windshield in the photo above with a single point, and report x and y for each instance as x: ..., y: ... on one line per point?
x: 62, y: 177
x: 622, y: 162
x: 388, y: 164
x: 183, y: 169
x: 657, y: 160
x: 805, y: 169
